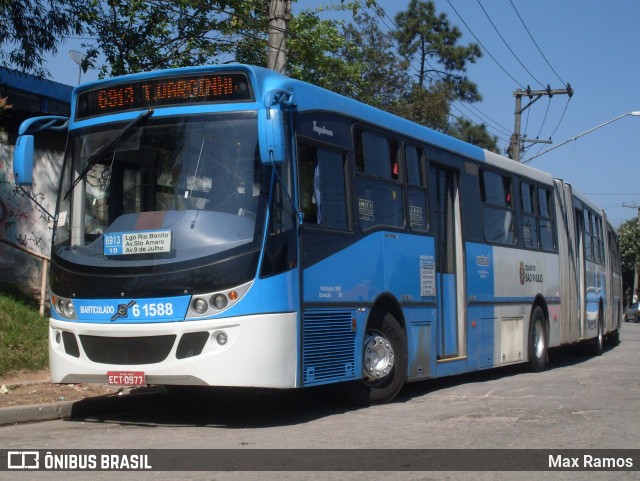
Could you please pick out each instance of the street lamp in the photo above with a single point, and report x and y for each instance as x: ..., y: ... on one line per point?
x: 81, y: 59
x: 634, y: 114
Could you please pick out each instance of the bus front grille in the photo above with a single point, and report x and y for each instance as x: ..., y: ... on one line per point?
x: 127, y: 350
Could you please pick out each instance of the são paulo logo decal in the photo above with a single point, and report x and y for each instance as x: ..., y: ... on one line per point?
x: 528, y: 274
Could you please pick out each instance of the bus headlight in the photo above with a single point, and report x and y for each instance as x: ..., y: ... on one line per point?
x: 219, y: 301
x: 64, y: 307
x: 200, y: 305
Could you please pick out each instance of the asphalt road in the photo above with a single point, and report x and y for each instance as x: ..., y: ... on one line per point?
x: 579, y: 402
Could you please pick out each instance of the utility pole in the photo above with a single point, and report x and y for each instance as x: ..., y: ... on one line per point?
x: 279, y: 17
x: 517, y: 142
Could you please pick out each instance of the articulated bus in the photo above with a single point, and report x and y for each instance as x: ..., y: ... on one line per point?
x: 231, y: 226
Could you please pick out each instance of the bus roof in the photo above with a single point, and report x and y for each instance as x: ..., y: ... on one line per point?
x: 307, y: 96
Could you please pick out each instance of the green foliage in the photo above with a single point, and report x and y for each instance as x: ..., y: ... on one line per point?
x: 29, y: 29
x: 379, y: 77
x: 315, y: 53
x: 629, y: 233
x: 474, y: 134
x: 430, y: 37
x: 356, y: 59
x: 23, y: 333
x: 137, y: 36
x: 426, y: 107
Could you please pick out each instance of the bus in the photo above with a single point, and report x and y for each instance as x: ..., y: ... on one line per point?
x: 230, y: 226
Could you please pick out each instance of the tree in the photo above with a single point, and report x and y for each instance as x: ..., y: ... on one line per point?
x: 475, y: 134
x: 135, y: 35
x: 379, y: 76
x: 629, y: 234
x: 426, y: 107
x: 431, y: 38
x: 29, y: 29
x: 440, y: 80
x: 358, y: 59
x: 313, y: 49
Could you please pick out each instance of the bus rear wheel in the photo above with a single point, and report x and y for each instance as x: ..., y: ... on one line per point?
x: 597, y: 343
x: 384, y: 363
x: 613, y: 338
x: 538, y: 354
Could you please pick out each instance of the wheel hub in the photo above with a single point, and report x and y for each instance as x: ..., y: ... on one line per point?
x: 378, y: 357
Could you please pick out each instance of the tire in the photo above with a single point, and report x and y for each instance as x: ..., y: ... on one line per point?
x: 384, y: 360
x: 613, y: 338
x: 597, y: 344
x: 538, y: 351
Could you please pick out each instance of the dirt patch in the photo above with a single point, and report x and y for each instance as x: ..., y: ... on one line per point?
x: 35, y: 388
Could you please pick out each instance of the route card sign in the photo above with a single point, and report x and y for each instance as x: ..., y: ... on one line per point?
x: 140, y: 242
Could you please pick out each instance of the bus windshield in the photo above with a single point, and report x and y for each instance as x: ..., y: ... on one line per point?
x: 171, y: 189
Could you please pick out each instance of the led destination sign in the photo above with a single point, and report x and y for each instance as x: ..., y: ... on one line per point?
x: 164, y: 92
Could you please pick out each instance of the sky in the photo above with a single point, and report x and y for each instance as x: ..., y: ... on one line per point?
x: 593, y: 45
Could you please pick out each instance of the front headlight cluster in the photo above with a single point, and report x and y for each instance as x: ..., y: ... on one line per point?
x: 64, y: 307
x: 203, y: 305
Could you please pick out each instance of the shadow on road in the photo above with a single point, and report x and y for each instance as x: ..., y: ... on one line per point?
x: 247, y: 408
x: 559, y: 357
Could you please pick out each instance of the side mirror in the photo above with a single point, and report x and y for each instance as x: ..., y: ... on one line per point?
x: 271, y: 135
x: 271, y: 125
x: 23, y: 160
x: 24, y: 149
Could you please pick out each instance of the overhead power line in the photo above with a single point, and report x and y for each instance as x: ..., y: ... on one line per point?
x: 485, y: 49
x: 536, y: 43
x: 440, y: 74
x: 507, y: 45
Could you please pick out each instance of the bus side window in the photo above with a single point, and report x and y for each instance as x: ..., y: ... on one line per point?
x: 529, y: 220
x: 416, y: 192
x: 379, y: 192
x: 307, y: 166
x: 547, y: 238
x: 497, y: 208
x: 323, y: 198
x: 594, y: 240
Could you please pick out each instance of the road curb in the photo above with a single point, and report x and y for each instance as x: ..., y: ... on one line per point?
x: 36, y: 412
x: 82, y: 408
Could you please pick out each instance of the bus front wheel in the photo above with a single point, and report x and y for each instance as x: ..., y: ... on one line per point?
x: 384, y: 363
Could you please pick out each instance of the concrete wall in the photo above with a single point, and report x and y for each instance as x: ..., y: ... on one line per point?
x: 21, y: 221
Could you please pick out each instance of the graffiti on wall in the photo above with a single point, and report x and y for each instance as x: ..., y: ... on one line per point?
x: 22, y: 221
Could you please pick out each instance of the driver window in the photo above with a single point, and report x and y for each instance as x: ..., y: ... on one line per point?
x: 322, y: 187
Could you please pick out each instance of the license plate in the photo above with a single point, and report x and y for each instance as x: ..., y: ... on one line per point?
x: 126, y: 378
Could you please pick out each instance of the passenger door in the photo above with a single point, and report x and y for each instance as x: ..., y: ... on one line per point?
x: 449, y: 262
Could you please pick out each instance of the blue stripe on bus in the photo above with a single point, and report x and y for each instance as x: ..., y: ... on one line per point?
x: 380, y: 262
x: 480, y: 271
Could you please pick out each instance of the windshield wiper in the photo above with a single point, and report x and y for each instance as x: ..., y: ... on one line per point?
x: 97, y: 154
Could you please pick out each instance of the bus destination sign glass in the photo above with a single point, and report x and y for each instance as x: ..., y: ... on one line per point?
x: 164, y: 92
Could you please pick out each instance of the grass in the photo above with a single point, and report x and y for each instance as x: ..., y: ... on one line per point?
x: 23, y: 333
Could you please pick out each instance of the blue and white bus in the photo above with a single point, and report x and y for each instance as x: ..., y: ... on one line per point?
x: 230, y: 226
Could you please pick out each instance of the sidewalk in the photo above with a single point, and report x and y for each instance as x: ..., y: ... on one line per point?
x: 30, y: 397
